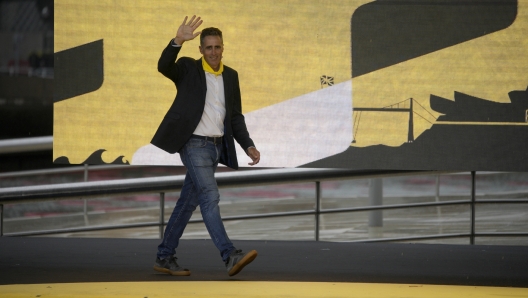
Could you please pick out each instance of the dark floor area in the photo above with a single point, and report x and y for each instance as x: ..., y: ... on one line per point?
x: 65, y: 260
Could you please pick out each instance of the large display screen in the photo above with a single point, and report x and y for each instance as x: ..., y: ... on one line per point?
x: 421, y: 85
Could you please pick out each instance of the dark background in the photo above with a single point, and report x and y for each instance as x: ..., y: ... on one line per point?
x: 26, y: 79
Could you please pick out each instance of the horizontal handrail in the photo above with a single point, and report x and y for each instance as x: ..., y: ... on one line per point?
x: 174, y: 183
x: 409, y: 238
x: 66, y: 170
x: 444, y: 236
x: 85, y: 229
x: 26, y: 144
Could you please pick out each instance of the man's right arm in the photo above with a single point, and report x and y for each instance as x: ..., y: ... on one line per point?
x: 166, y: 63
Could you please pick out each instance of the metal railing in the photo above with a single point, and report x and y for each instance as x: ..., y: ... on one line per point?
x: 26, y: 145
x: 161, y: 185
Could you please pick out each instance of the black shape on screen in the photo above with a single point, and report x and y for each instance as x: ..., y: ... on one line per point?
x: 387, y: 32
x: 467, y: 108
x: 78, y: 70
x: 94, y: 159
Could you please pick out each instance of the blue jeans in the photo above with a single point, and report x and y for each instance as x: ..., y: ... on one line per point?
x: 200, y: 157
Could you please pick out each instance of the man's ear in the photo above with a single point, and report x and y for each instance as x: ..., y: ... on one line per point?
x: 200, y: 48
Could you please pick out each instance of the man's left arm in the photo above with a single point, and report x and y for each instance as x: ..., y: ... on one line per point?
x: 238, y: 124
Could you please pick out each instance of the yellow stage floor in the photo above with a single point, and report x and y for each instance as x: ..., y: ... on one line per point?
x: 254, y: 289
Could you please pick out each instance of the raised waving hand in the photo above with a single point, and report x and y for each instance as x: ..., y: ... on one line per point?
x: 186, y: 30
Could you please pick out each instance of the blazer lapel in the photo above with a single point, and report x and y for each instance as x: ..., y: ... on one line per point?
x: 202, y: 75
x: 228, y: 88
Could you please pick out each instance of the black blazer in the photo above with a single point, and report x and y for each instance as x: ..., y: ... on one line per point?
x: 186, y: 111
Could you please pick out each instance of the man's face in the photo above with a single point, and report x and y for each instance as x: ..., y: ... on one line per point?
x: 212, y: 49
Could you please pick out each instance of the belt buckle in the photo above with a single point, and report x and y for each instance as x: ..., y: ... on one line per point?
x: 215, y: 140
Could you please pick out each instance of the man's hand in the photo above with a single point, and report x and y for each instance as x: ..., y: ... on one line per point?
x: 254, y: 154
x: 186, y: 30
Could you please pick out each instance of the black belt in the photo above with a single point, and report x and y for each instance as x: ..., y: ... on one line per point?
x: 215, y: 140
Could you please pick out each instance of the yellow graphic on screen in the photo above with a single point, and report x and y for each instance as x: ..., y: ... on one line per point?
x: 279, y: 48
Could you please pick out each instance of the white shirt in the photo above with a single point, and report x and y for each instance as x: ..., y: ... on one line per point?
x: 212, y: 122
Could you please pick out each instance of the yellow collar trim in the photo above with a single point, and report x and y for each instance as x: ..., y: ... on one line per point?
x: 209, y: 69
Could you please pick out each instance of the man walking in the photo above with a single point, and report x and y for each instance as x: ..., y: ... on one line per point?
x: 201, y: 125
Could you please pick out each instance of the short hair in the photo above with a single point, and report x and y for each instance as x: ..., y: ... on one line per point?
x: 211, y: 31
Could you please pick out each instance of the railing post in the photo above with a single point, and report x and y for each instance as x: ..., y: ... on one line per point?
x: 438, y: 209
x: 162, y: 213
x: 376, y: 216
x: 317, y: 208
x: 85, y: 209
x: 1, y: 220
x: 473, y: 200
